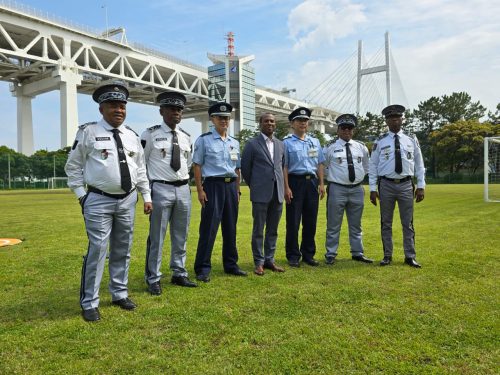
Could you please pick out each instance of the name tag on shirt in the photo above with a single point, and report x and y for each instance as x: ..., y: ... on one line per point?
x: 102, y: 138
x: 234, y: 155
x: 312, y: 152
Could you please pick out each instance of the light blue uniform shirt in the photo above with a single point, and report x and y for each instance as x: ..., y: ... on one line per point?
x: 217, y: 157
x: 303, y: 156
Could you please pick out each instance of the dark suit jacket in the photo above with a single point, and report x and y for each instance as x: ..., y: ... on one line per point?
x: 259, y: 171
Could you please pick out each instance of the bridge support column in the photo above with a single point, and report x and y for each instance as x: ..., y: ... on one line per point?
x: 205, y: 122
x: 25, y: 143
x: 69, y: 108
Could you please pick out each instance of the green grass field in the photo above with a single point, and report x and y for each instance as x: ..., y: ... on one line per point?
x: 347, y: 318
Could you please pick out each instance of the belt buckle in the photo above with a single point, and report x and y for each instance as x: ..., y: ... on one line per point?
x: 227, y: 179
x: 397, y: 180
x: 308, y: 177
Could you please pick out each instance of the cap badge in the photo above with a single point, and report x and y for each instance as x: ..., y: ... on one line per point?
x: 223, y: 108
x: 302, y: 112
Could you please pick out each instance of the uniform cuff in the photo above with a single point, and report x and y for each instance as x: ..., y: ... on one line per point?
x: 146, y: 197
x: 79, y: 192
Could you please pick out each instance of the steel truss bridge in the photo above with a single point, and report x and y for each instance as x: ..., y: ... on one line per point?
x: 39, y: 54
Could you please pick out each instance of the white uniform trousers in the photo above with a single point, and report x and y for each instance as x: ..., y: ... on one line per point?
x: 107, y: 221
x: 171, y: 204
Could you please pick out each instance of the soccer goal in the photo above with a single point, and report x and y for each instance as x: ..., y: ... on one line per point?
x: 492, y: 169
x: 57, y: 183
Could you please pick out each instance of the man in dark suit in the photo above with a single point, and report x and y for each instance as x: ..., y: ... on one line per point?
x: 262, y: 169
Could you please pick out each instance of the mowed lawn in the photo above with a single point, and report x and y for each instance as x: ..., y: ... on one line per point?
x: 347, y: 318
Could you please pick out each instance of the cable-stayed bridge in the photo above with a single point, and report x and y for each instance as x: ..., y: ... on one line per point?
x: 39, y: 53
x: 359, y: 85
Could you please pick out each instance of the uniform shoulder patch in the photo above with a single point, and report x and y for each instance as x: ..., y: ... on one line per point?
x: 132, y: 130
x: 153, y: 128
x: 415, y: 139
x: 205, y: 134
x: 185, y: 132
x: 382, y: 136
x: 83, y: 126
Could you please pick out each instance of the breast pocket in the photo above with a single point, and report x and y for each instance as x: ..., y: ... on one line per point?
x: 216, y: 152
x: 408, y: 151
x: 104, y: 150
x: 162, y: 148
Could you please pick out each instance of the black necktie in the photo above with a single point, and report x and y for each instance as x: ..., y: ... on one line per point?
x: 350, y: 164
x: 397, y: 147
x: 175, y: 161
x: 126, y: 181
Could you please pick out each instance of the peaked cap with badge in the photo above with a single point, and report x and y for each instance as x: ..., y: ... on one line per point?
x: 114, y: 92
x: 171, y: 99
x: 347, y: 120
x: 301, y: 112
x: 220, y: 109
x: 393, y: 110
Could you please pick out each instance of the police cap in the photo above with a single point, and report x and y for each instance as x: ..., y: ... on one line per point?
x: 171, y: 99
x: 301, y: 112
x: 114, y: 92
x: 220, y: 109
x: 347, y: 120
x: 394, y: 110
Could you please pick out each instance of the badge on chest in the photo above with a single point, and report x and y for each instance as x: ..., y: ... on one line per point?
x: 312, y: 152
x: 233, y: 154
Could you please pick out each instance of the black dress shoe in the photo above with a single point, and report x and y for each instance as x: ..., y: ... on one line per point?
x: 311, y: 262
x: 155, y: 288
x: 91, y: 315
x: 202, y: 277
x: 362, y: 258
x: 183, y: 281
x: 294, y: 264
x: 412, y: 263
x: 236, y: 272
x: 125, y: 304
x: 386, y: 261
x: 330, y: 260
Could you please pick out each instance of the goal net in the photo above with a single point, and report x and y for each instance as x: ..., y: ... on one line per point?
x: 57, y: 183
x: 492, y: 169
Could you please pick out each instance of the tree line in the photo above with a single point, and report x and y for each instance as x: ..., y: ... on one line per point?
x: 450, y: 129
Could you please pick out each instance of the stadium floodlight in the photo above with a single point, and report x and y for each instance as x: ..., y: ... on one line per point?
x: 492, y: 169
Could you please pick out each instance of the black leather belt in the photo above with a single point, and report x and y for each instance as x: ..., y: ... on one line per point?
x: 224, y: 179
x: 303, y: 176
x: 346, y: 186
x: 175, y: 183
x: 397, y: 180
x: 91, y: 189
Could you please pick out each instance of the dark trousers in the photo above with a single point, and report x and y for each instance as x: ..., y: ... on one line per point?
x: 304, y: 206
x: 221, y: 208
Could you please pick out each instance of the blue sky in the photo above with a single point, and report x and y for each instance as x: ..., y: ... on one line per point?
x: 440, y: 46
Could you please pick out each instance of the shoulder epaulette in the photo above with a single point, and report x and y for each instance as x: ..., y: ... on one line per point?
x: 382, y: 136
x: 363, y: 143
x: 185, y: 132
x: 330, y: 142
x: 153, y: 128
x: 132, y: 130
x: 287, y: 136
x: 205, y: 134
x: 83, y: 126
x: 232, y: 137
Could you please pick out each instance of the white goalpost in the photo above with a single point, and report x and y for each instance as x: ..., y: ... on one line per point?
x: 57, y: 183
x: 492, y: 169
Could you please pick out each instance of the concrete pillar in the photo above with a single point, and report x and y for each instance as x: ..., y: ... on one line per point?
x: 25, y: 143
x: 69, y: 112
x: 205, y: 122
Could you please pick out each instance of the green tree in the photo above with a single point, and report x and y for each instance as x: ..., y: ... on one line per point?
x: 19, y: 166
x: 370, y: 127
x: 494, y: 118
x: 282, y: 129
x: 459, y: 145
x: 244, y: 136
x: 45, y: 164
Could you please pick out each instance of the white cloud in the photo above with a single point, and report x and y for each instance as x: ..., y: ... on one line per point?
x: 318, y: 23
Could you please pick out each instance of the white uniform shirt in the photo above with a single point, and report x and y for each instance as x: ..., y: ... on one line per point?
x: 336, y: 162
x: 94, y: 160
x: 382, y: 161
x: 158, y: 153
